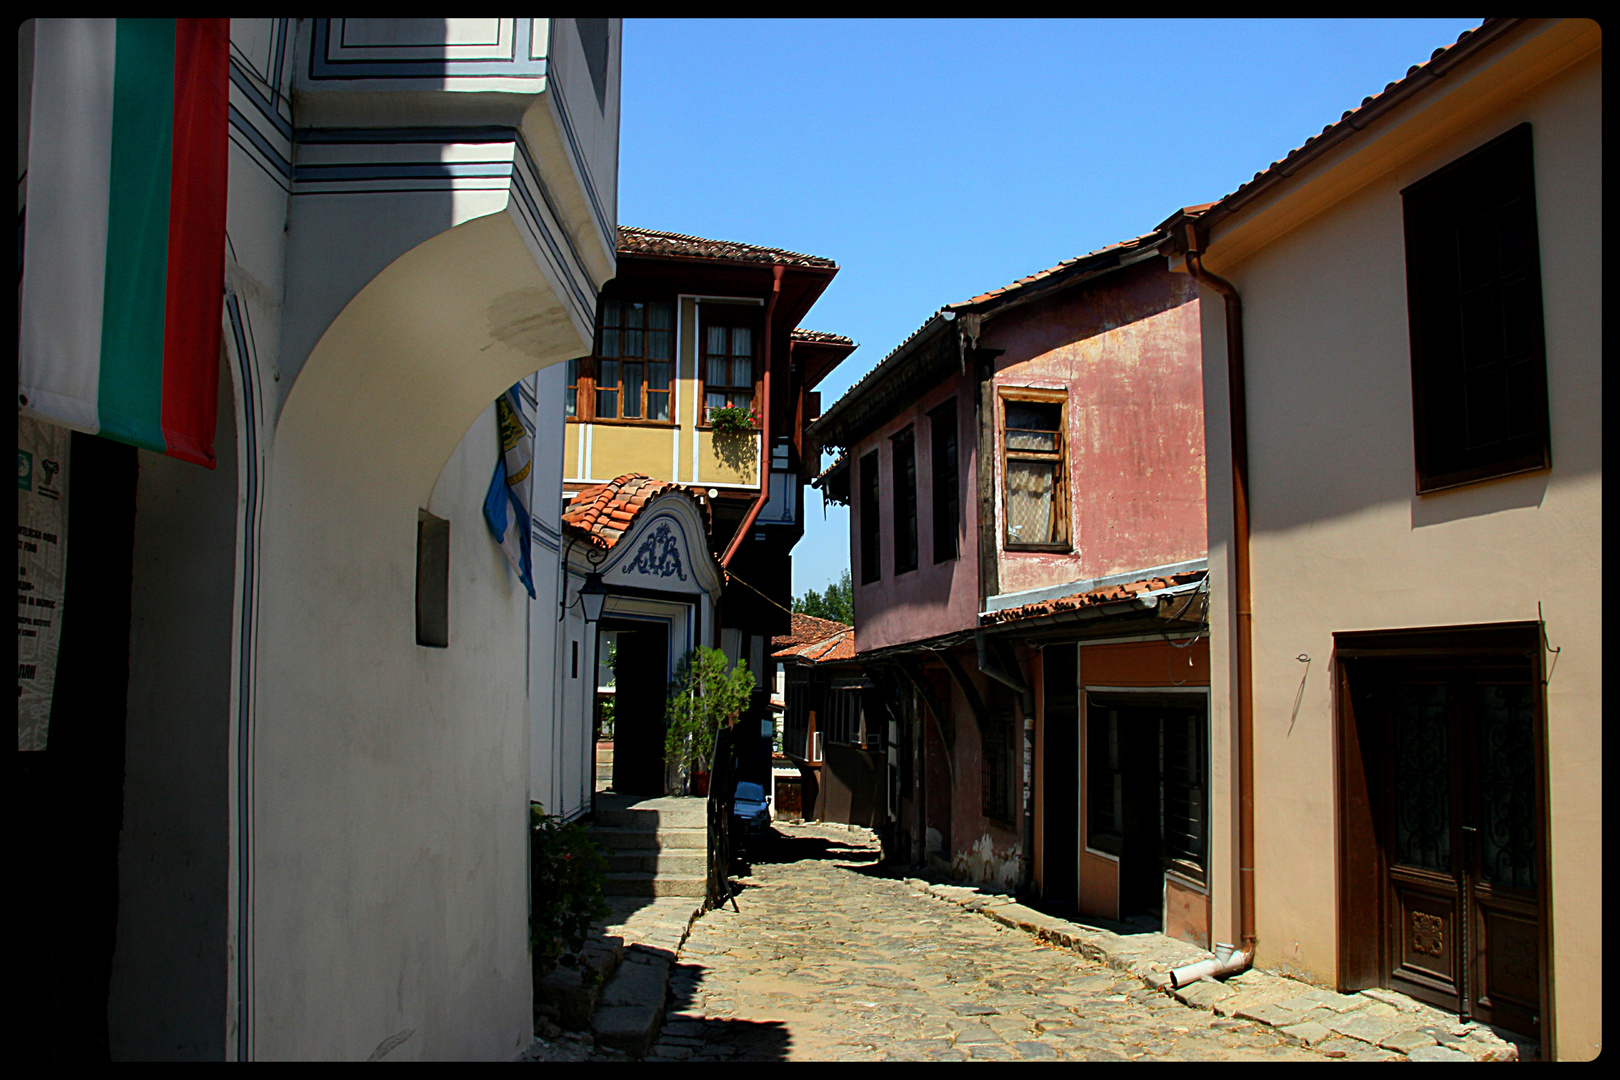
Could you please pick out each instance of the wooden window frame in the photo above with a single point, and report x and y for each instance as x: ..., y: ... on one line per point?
x: 1483, y: 182
x: 871, y: 538
x: 732, y: 316
x: 1060, y: 480
x: 588, y: 378
x: 903, y: 451
x: 947, y: 483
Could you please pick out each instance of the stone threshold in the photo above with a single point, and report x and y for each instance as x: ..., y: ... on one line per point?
x: 1372, y: 1025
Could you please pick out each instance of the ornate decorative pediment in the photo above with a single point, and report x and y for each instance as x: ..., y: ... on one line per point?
x: 659, y: 555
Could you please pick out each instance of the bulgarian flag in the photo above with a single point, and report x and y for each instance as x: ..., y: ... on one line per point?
x: 124, y: 230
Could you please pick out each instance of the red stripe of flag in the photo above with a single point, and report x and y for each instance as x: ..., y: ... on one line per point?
x: 191, y: 327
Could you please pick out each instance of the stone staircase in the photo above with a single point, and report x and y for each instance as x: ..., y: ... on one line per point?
x: 655, y: 846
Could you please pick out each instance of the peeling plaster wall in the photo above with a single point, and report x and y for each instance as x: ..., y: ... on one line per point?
x: 1127, y: 352
x: 935, y: 598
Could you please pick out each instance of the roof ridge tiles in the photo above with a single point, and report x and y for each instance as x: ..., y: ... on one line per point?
x: 638, y: 241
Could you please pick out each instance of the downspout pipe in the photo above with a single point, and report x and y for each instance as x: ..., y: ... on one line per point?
x: 764, y: 428
x: 1226, y: 962
x: 1239, y: 414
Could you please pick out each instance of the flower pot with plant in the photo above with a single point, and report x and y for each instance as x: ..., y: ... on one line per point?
x: 729, y: 420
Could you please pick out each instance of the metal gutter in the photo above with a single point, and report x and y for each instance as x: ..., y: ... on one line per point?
x: 764, y: 428
x: 1074, y: 588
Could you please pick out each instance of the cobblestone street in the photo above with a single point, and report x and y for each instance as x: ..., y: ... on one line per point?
x: 828, y: 960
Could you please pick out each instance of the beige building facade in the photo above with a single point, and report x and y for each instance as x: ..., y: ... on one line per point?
x: 1426, y: 646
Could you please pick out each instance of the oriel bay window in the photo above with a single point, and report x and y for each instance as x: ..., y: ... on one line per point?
x: 1036, y: 505
x: 634, y: 351
x: 728, y: 367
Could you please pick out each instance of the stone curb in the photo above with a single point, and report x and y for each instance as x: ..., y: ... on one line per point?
x: 1373, y: 1025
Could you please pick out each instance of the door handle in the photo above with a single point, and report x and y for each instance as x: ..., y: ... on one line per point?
x: 1469, y: 828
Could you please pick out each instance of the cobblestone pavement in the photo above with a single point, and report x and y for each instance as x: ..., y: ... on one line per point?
x: 827, y: 960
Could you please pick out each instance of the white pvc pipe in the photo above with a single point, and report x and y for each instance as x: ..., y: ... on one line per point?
x: 1209, y: 969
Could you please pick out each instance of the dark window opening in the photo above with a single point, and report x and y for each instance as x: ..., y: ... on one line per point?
x: 594, y: 39
x: 1479, y: 377
x: 947, y: 500
x: 1147, y: 768
x: 871, y: 570
x: 432, y: 581
x: 904, y: 466
x: 996, y: 756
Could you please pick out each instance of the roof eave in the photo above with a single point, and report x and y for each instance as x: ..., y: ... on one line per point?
x: 1334, y: 135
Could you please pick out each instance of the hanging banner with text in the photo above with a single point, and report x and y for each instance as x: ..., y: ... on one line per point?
x: 42, y: 486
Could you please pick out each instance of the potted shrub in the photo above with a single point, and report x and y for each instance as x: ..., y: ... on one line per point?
x: 706, y: 692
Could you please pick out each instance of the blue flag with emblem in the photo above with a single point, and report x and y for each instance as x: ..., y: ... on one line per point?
x: 504, y: 509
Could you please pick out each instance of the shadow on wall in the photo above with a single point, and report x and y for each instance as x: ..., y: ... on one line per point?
x: 1477, y: 500
x: 736, y: 450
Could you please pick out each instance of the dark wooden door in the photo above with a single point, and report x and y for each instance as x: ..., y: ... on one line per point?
x: 1460, y: 832
x: 1060, y: 775
x: 638, y: 718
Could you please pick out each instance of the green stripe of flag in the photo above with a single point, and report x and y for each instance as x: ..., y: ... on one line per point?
x: 131, y: 390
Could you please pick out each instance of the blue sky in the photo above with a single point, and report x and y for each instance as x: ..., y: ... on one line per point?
x: 935, y: 160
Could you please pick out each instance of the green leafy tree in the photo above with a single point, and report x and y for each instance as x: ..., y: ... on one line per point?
x: 837, y: 603
x: 706, y: 692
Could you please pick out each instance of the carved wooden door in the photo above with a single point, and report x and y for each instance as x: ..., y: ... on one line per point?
x: 1460, y: 836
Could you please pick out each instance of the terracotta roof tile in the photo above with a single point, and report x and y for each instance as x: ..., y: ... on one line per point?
x: 1148, y: 239
x: 820, y: 337
x: 633, y: 241
x: 1109, y: 595
x: 603, y: 513
x: 818, y: 641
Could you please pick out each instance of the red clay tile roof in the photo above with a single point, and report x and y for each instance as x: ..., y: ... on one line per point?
x: 603, y: 513
x: 1146, y: 239
x: 1417, y: 78
x: 1110, y: 595
x: 633, y: 241
x: 820, y: 337
x: 819, y: 641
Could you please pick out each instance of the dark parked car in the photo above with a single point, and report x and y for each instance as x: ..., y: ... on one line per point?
x: 751, y: 810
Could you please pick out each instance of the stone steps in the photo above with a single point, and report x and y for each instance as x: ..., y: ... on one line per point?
x: 679, y: 862
x: 624, y: 838
x: 641, y: 883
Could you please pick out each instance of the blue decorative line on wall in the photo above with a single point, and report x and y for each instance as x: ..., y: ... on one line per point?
x: 322, y: 67
x: 609, y: 231
x: 248, y: 470
x: 244, y: 82
x: 260, y: 143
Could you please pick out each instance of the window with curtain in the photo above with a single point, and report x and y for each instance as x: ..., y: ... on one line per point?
x: 635, y: 348
x: 571, y: 391
x: 728, y: 367
x: 1036, y: 503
